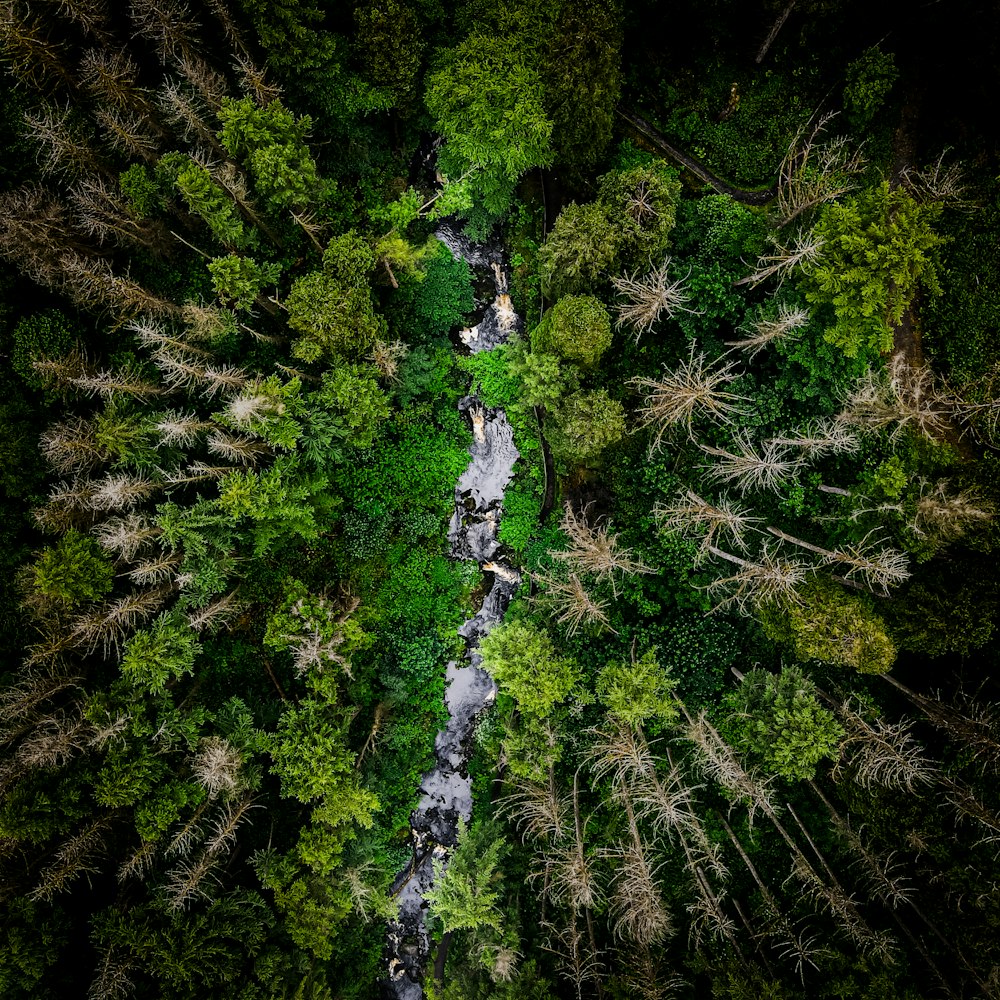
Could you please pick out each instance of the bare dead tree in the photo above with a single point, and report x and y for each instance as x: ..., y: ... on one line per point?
x: 767, y: 330
x: 72, y: 446
x: 223, y: 378
x: 970, y: 723
x: 76, y: 857
x: 812, y: 173
x: 111, y: 76
x: 90, y: 16
x: 103, y: 213
x: 68, y: 506
x: 185, y: 881
x: 125, y: 535
x: 93, y: 282
x: 825, y: 437
x: 938, y: 181
x: 31, y: 52
x: 232, y: 815
x: 255, y: 82
x: 791, y: 943
x: 119, y: 490
x: 216, y: 766
x: 751, y: 467
x: 721, y: 522
x: 571, y: 604
x: 60, y: 140
x: 210, y: 85
x: 879, y: 566
x: 182, y: 110
x: 694, y: 389
x: 766, y: 579
x: 885, y: 878
x: 905, y: 398
x: 112, y: 977
x: 940, y: 516
x: 156, y: 570
x: 108, y: 626
x: 719, y: 762
x: 205, y: 322
x: 216, y: 614
x: 877, y: 753
x: 537, y: 810
x: 577, y: 963
x: 647, y: 300
x: 386, y: 357
x: 787, y: 255
x: 182, y: 429
x: 54, y: 740
x: 237, y: 448
x: 595, y: 550
x: 169, y: 25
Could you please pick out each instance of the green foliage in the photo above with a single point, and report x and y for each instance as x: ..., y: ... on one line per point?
x: 48, y: 334
x: 778, y: 720
x: 163, y: 653
x: 271, y: 141
x: 868, y: 81
x: 581, y: 77
x: 584, y: 424
x: 332, y: 309
x: 72, y: 572
x: 240, y: 281
x: 425, y: 308
x: 390, y: 46
x: 524, y: 662
x: 309, y: 752
x: 31, y: 936
x: 577, y: 328
x: 487, y: 103
x: 352, y: 394
x: 140, y: 189
x: 544, y: 381
x: 628, y: 226
x: 206, y: 199
x: 638, y: 690
x: 830, y: 624
x: 877, y: 249
x: 466, y: 893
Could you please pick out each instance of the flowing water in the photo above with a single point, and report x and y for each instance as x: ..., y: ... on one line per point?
x: 445, y: 791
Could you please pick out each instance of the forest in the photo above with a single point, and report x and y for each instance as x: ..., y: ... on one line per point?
x: 499, y: 500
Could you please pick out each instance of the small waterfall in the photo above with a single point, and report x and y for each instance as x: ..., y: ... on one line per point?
x: 446, y: 793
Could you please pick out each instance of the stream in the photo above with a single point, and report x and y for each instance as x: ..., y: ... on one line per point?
x: 446, y: 791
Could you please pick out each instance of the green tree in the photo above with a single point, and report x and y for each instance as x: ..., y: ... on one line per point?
x: 487, y: 103
x: 868, y: 81
x: 162, y: 653
x: 206, y: 199
x: 583, y: 425
x: 778, y: 720
x: 580, y: 68
x: 638, y: 691
x: 467, y: 890
x: 390, y: 46
x: 829, y: 624
x: 271, y: 142
x: 577, y: 328
x: 544, y: 381
x: 628, y: 227
x: 333, y: 309
x: 240, y: 281
x: 525, y: 663
x: 72, y: 572
x: 877, y: 249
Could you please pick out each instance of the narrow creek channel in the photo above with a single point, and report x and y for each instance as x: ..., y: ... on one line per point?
x: 445, y: 791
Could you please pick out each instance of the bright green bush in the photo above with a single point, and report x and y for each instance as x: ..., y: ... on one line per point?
x: 525, y: 663
x: 778, y: 720
x: 577, y: 328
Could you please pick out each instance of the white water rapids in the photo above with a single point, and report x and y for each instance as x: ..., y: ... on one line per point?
x: 446, y: 793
